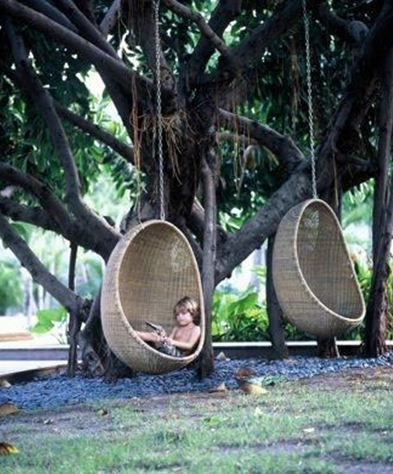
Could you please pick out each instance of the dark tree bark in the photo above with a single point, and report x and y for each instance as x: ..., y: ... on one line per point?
x: 275, y: 315
x: 74, y: 323
x: 205, y: 363
x: 374, y: 340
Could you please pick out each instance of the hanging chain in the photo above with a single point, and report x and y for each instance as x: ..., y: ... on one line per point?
x: 309, y: 100
x: 156, y: 5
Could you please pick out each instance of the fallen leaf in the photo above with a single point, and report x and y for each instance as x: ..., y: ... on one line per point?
x: 49, y: 421
x: 8, y: 409
x: 102, y: 412
x: 220, y: 388
x: 6, y: 448
x: 222, y: 356
x: 266, y: 380
x: 244, y: 373
x: 309, y: 430
x: 252, y: 389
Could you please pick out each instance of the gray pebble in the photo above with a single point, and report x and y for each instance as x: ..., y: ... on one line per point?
x: 58, y: 390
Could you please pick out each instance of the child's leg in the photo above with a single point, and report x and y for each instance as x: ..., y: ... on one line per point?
x: 148, y: 336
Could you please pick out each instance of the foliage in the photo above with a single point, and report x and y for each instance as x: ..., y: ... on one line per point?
x: 243, y: 316
x: 238, y: 318
x: 48, y: 319
x: 11, y: 294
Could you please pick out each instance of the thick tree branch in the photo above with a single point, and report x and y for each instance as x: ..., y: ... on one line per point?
x: 235, y: 138
x: 225, y: 12
x: 86, y: 28
x: 87, y: 50
x: 39, y: 273
x: 209, y: 33
x: 45, y: 106
x: 94, y: 130
x: 111, y: 18
x: 282, y: 146
x: 143, y: 24
x: 253, y: 46
x: 348, y: 30
x: 298, y: 186
x: 30, y: 215
x: 47, y: 199
x: 121, y: 96
x: 51, y: 12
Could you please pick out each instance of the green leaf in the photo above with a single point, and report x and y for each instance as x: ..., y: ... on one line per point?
x: 41, y: 328
x: 45, y: 316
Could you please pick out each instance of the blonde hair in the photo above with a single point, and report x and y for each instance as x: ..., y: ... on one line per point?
x: 186, y: 304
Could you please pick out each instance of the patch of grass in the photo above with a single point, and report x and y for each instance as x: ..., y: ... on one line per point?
x: 362, y: 447
x: 295, y: 428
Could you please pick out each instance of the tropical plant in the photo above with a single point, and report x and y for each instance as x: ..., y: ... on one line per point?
x: 11, y: 293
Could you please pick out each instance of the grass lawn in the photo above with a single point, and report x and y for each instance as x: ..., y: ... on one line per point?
x: 328, y: 424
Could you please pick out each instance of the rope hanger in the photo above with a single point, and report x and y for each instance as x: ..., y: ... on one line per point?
x: 310, y: 99
x: 156, y: 5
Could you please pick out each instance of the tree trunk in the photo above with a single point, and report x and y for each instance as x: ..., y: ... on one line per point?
x: 274, y: 313
x: 374, y: 341
x: 206, y: 359
x: 74, y: 322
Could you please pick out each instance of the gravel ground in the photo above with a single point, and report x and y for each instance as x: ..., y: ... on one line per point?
x: 58, y: 390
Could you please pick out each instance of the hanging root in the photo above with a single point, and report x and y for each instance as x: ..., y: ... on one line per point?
x: 97, y: 358
x: 88, y: 341
x: 327, y: 348
x: 174, y: 127
x: 74, y: 329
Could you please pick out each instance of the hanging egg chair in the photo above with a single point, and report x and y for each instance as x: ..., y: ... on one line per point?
x: 313, y: 274
x: 150, y: 270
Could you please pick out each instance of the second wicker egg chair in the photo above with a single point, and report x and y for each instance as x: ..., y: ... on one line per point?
x: 313, y: 274
x: 151, y: 268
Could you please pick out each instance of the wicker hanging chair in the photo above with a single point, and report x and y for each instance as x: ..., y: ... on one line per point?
x: 313, y: 274
x: 149, y: 271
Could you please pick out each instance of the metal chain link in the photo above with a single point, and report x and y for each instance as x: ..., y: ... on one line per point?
x: 156, y: 5
x: 310, y: 99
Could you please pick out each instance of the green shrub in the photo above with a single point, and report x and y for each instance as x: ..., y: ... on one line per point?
x: 238, y: 317
x: 11, y: 294
x: 243, y: 316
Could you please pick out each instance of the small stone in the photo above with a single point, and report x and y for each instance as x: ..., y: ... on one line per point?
x: 222, y: 356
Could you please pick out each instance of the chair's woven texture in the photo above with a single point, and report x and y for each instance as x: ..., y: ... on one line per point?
x: 313, y: 274
x: 149, y: 271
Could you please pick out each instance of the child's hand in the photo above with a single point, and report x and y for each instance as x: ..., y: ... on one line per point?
x: 169, y: 341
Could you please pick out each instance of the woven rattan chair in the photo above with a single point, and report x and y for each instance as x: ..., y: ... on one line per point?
x: 313, y: 274
x: 149, y: 271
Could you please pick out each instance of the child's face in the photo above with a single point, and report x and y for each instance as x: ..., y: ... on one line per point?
x: 184, y: 317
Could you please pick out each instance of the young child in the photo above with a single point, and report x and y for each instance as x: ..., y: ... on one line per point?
x: 184, y: 335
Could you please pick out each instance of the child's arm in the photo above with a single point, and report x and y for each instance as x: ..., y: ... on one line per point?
x: 149, y: 336
x: 190, y: 343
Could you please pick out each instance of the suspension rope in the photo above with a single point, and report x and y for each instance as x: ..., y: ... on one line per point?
x: 156, y: 6
x: 310, y: 100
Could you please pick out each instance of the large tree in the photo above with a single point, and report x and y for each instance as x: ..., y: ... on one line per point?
x: 232, y: 79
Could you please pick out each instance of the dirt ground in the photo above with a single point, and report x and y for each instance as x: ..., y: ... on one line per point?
x: 195, y: 406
